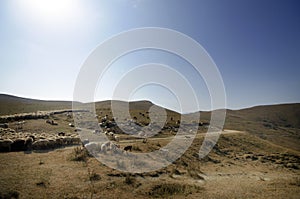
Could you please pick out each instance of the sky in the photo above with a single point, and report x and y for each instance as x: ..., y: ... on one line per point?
x: 255, y: 45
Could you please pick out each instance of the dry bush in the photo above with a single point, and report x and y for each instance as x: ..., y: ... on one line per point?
x: 136, y: 148
x: 79, y: 154
x: 170, y: 189
x: 93, y: 176
x: 10, y: 195
x: 130, y: 180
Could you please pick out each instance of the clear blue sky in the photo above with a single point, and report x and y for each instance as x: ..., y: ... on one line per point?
x: 254, y: 43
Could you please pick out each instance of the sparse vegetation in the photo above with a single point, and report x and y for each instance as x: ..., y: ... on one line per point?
x: 10, y: 195
x: 79, y: 154
x: 241, y: 161
x: 93, y: 176
x: 129, y: 179
x: 41, y: 162
x: 171, y: 189
x: 136, y: 148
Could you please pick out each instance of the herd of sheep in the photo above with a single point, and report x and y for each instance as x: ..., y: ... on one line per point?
x: 16, y: 140
x: 21, y: 141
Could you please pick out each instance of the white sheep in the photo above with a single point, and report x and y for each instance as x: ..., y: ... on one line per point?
x: 75, y: 140
x: 40, y: 144
x: 85, y: 141
x: 92, y: 147
x: 105, y: 147
x: 116, y: 138
x: 111, y: 133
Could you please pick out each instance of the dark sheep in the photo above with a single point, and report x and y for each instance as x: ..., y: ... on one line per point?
x: 40, y: 144
x: 18, y: 145
x: 61, y: 134
x: 28, y: 143
x: 51, y: 122
x: 5, y: 145
x: 4, y: 125
x: 128, y: 148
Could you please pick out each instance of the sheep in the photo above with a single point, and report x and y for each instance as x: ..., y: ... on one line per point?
x: 18, y: 145
x: 104, y: 119
x: 111, y: 133
x: 145, y: 140
x: 19, y: 125
x: 97, y: 131
x: 105, y: 147
x: 71, y: 125
x: 52, y: 143
x: 40, y: 144
x: 92, y: 147
x: 75, y: 140
x: 59, y: 141
x: 85, y: 141
x: 116, y: 138
x: 164, y: 150
x: 51, y: 122
x: 5, y: 145
x: 67, y: 140
x: 115, y: 148
x: 61, y: 134
x: 4, y: 125
x: 28, y: 143
x: 128, y: 148
x: 69, y: 115
x: 77, y: 129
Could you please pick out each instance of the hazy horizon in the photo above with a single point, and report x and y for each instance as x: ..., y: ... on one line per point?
x: 255, y: 45
x: 139, y: 100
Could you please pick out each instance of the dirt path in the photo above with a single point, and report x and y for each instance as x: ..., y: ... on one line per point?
x: 199, y: 135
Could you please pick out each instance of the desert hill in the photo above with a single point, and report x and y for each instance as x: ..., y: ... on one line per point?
x: 279, y: 124
x: 257, y: 155
x: 12, y: 104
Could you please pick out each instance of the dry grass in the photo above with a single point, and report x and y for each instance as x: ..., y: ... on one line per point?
x: 239, y: 166
x: 172, y: 189
x: 79, y: 154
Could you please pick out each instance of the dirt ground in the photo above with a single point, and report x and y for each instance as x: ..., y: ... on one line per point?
x: 229, y: 171
x: 241, y: 165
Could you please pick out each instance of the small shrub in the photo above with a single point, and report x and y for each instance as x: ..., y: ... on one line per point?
x: 136, y: 148
x: 165, y: 189
x: 10, y: 195
x: 79, y: 154
x: 41, y: 162
x: 130, y: 180
x: 93, y: 176
x: 41, y: 184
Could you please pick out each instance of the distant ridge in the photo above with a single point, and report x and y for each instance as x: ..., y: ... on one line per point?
x: 10, y: 104
x: 278, y: 123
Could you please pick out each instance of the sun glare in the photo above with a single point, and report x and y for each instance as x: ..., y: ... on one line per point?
x: 49, y: 12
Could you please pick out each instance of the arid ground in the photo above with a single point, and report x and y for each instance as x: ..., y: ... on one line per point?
x: 257, y: 155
